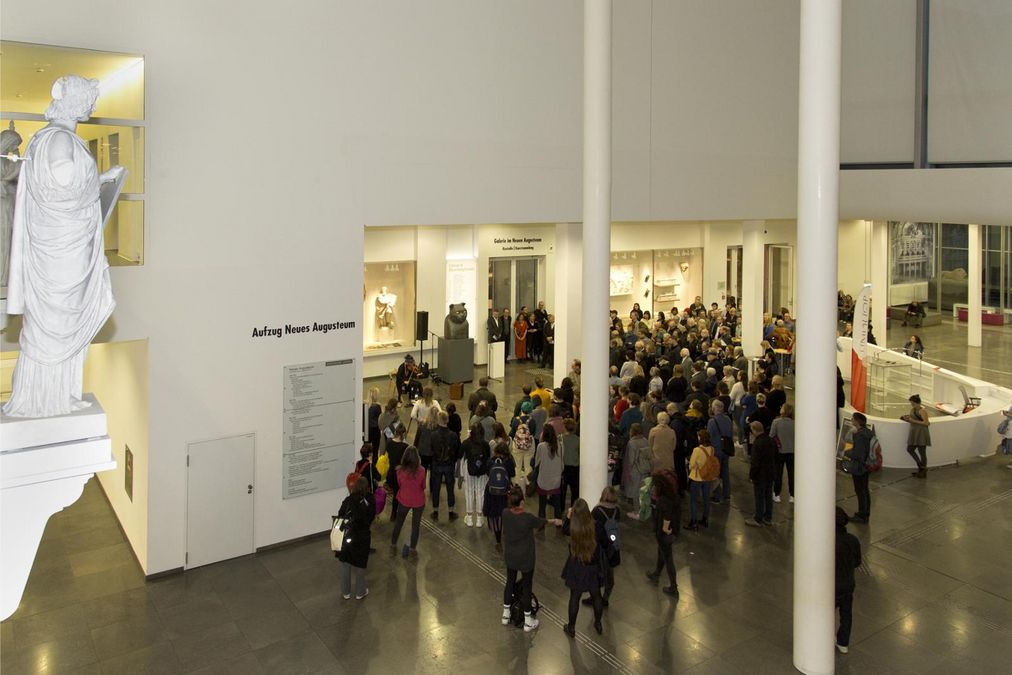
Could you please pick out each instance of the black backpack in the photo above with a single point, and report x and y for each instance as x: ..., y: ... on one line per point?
x: 498, y: 479
x: 517, y: 612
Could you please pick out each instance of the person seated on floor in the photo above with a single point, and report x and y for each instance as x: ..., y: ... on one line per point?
x: 914, y: 315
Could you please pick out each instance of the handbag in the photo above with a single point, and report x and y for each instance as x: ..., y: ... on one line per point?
x: 338, y: 534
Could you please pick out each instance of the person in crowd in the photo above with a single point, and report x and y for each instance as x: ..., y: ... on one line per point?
x: 575, y: 372
x: 493, y: 328
x: 747, y: 406
x: 358, y: 511
x: 763, y: 413
x: 584, y: 568
x: 535, y: 322
x: 406, y: 379
x: 500, y: 436
x: 548, y: 462
x: 453, y: 422
x: 677, y: 387
x: 914, y: 347
x: 570, y: 444
x: 613, y: 379
x: 501, y: 472
x: 699, y: 487
x: 841, y: 397
x: 522, y: 431
x: 481, y: 394
x: 914, y: 315
x: 548, y: 343
x: 518, y: 528
x: 667, y: 524
x: 629, y: 367
x: 539, y: 415
x: 366, y: 468
x: 555, y: 418
x: 781, y: 336
x: 919, y: 437
x: 857, y: 458
x: 520, y: 328
x: 782, y: 433
x: 721, y: 433
x: 622, y: 404
x: 636, y: 466
x: 606, y: 516
x: 445, y: 453
x: 1006, y: 441
x: 565, y: 407
x: 777, y: 397
x: 475, y: 453
x: 631, y: 415
x: 684, y: 442
x: 395, y: 455
x: 543, y: 393
x: 525, y: 398
x: 483, y: 416
x: 656, y: 384
x: 848, y: 559
x: 697, y: 395
x: 424, y: 435
x: 410, y: 499
x: 506, y: 330
x: 388, y: 420
x: 662, y: 443
x: 762, y: 468
x: 738, y: 390
x: 373, y: 413
x: 422, y: 406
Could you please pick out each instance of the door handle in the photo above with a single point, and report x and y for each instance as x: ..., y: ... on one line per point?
x: 249, y: 489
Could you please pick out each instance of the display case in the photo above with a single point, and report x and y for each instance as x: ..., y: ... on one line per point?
x: 389, y: 305
x: 658, y: 280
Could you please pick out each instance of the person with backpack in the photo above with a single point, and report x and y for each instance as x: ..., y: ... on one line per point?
x: 445, y: 453
x: 483, y: 416
x: 606, y: 516
x: 475, y: 453
x: 721, y: 433
x: 410, y: 497
x: 782, y: 433
x: 704, y: 469
x: 365, y: 468
x: 387, y: 422
x: 857, y: 466
x: 667, y: 523
x: 358, y: 511
x: 501, y: 471
x: 584, y: 571
x: 518, y: 529
x: 523, y: 434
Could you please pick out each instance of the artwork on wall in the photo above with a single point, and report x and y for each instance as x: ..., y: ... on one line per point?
x: 389, y: 305
x: 911, y: 252
x: 620, y: 280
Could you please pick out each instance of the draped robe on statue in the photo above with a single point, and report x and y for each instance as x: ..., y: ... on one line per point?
x: 59, y: 276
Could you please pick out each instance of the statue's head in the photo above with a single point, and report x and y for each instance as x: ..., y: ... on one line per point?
x: 10, y: 140
x: 458, y: 313
x: 74, y: 98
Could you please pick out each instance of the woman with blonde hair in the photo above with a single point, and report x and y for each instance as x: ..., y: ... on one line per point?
x: 423, y: 437
x: 583, y: 571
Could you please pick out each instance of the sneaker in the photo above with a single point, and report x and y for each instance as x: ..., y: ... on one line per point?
x: 360, y: 597
x: 468, y: 520
x: 569, y: 629
x: 671, y: 590
x: 346, y: 596
x: 705, y: 522
x: 752, y: 522
x: 434, y: 514
x: 505, y: 615
x: 776, y: 499
x: 453, y: 515
x: 405, y: 550
x: 653, y: 576
x: 598, y: 627
x: 480, y: 521
x: 791, y: 499
x: 843, y: 649
x: 530, y: 623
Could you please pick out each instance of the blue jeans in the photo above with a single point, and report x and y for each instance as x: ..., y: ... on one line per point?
x: 441, y: 473
x: 697, y: 489
x: 724, y: 491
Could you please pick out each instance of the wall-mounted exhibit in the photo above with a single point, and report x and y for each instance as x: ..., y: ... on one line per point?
x: 389, y: 310
x: 656, y: 279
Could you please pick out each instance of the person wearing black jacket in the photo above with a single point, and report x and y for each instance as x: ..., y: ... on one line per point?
x: 445, y: 452
x: 762, y: 470
x: 667, y: 524
x: 506, y: 330
x: 483, y: 394
x: 358, y: 510
x: 848, y: 559
x: 395, y: 452
x: 776, y: 399
x: 606, y: 509
x: 763, y: 414
x: 856, y: 467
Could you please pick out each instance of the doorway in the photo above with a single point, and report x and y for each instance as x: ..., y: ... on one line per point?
x: 779, y: 290
x: 515, y: 282
x: 219, y: 499
x: 733, y: 276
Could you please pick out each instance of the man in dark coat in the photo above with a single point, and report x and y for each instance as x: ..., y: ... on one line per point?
x: 762, y: 470
x: 506, y: 330
x: 493, y: 327
x: 848, y: 559
x: 480, y: 394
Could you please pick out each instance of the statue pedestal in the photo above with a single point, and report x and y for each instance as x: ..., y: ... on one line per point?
x: 456, y: 360
x: 44, y: 465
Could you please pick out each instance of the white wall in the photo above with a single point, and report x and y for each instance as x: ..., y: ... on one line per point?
x: 117, y: 373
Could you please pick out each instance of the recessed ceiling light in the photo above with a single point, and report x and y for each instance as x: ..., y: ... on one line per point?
x: 40, y: 70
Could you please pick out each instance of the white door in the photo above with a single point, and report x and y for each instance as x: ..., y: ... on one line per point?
x: 219, y: 499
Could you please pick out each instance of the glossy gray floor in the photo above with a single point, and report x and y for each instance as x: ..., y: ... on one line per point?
x: 934, y: 595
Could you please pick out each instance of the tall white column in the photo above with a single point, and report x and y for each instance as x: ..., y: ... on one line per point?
x: 818, y: 225
x: 752, y: 284
x: 879, y: 279
x: 973, y: 288
x: 596, y: 245
x: 568, y: 296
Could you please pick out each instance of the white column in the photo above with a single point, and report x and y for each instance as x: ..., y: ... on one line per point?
x: 973, y: 288
x: 596, y: 245
x: 818, y: 225
x: 568, y: 296
x: 752, y: 283
x: 879, y: 279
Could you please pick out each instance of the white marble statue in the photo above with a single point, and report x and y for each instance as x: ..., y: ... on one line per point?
x: 385, y: 303
x: 59, y: 277
x: 10, y: 141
